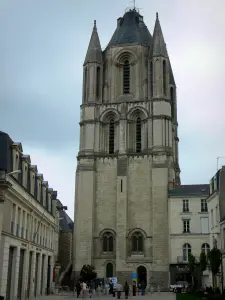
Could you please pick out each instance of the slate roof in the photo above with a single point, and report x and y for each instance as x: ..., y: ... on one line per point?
x: 65, y: 223
x: 131, y: 29
x: 190, y: 190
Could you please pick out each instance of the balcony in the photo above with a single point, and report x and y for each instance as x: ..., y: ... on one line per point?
x: 184, y: 260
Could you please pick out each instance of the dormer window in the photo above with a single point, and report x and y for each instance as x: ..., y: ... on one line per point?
x: 126, y: 77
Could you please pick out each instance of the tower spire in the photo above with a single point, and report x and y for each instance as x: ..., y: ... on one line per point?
x: 94, y: 52
x: 158, y: 47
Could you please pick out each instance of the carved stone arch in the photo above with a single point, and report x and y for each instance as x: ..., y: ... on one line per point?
x: 108, y: 114
x: 132, y: 231
x: 136, y: 111
x: 138, y: 129
x: 107, y: 264
x: 112, y: 231
x: 107, y: 240
x: 123, y: 55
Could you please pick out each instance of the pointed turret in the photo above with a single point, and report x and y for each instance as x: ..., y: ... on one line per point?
x: 94, y: 52
x: 158, y: 47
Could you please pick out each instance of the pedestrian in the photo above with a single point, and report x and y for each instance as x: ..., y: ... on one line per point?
x: 126, y: 290
x: 78, y: 288
x: 142, y: 288
x: 110, y: 287
x: 84, y: 289
x: 134, y: 288
x: 91, y: 288
x: 118, y: 289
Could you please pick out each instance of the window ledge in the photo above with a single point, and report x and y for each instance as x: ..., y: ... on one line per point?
x: 186, y: 213
x: 203, y: 212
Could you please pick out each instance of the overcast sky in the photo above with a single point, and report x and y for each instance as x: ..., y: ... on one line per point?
x: 42, y: 47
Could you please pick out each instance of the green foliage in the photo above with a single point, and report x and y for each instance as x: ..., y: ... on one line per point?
x: 88, y: 273
x: 203, y: 261
x: 214, y: 258
x: 191, y: 263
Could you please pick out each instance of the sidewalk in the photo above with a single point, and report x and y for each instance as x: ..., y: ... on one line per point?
x: 71, y: 295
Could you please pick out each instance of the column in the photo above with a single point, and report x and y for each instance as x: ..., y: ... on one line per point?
x: 4, y: 273
x: 45, y: 275
x: 25, y: 274
x: 15, y: 274
x: 32, y: 274
x: 39, y: 274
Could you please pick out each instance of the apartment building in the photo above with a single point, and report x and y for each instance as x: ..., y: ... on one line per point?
x: 28, y: 225
x: 216, y: 206
x: 189, y: 228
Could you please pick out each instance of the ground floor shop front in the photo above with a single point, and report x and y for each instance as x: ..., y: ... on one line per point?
x: 25, y: 269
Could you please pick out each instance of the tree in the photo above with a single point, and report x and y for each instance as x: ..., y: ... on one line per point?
x: 214, y: 258
x: 88, y: 273
x: 203, y: 262
x: 192, y: 266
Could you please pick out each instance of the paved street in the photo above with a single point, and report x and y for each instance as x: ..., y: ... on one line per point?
x: 155, y: 296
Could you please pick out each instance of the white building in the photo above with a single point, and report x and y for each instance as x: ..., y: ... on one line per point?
x: 216, y: 206
x: 189, y: 229
x: 29, y: 225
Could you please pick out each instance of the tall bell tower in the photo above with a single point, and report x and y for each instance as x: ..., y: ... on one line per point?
x: 128, y: 155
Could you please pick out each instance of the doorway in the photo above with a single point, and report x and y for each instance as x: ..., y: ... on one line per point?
x: 10, y: 273
x: 142, y: 275
x: 109, y: 270
x: 37, y: 265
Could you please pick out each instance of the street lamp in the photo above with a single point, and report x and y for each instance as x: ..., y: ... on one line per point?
x: 4, y: 184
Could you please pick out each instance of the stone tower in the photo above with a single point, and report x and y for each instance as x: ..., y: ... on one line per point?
x: 128, y: 155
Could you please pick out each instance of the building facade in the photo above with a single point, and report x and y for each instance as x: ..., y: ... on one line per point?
x: 29, y: 219
x: 128, y: 155
x: 65, y: 249
x: 189, y: 229
x: 216, y: 205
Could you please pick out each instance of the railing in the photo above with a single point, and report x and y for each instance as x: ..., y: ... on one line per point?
x: 184, y: 259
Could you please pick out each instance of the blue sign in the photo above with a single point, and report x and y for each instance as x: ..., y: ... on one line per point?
x: 134, y: 275
x: 114, y: 280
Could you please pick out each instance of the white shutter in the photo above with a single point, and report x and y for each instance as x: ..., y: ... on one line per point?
x: 205, y: 225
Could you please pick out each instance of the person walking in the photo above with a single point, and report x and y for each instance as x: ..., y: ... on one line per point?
x: 118, y: 289
x: 84, y: 289
x: 91, y: 288
x: 78, y: 288
x: 126, y: 290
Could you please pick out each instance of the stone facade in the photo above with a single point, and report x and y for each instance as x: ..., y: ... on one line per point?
x: 29, y: 225
x: 122, y: 185
x: 188, y: 228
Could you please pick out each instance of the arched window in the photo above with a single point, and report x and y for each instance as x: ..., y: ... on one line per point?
x: 137, y: 242
x: 109, y: 270
x: 126, y: 77
x: 172, y: 101
x: 186, y: 252
x: 85, y: 84
x: 138, y: 134
x: 111, y: 136
x: 151, y: 77
x: 205, y: 248
x: 107, y: 242
x: 98, y: 79
x: 164, y: 77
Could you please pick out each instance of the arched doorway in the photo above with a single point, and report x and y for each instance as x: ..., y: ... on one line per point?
x: 109, y: 270
x: 141, y: 275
